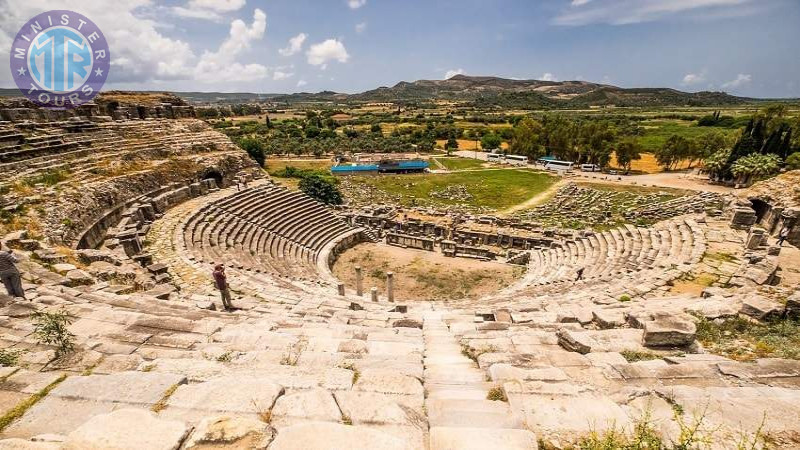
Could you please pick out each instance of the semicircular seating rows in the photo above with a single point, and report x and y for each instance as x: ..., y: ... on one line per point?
x: 310, y: 371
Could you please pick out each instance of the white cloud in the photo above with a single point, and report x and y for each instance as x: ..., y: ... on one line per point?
x: 295, y: 45
x: 221, y: 65
x: 453, y: 72
x: 139, y: 52
x: 282, y: 73
x: 740, y: 81
x: 361, y: 27
x: 301, y: 83
x: 355, y: 4
x: 623, y: 12
x: 208, y: 9
x: 196, y: 13
x: 694, y: 78
x: 547, y: 76
x: 330, y: 50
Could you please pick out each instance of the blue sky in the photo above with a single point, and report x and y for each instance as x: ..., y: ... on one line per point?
x: 746, y: 47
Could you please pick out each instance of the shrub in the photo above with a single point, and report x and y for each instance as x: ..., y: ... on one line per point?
x: 322, y: 189
x: 625, y: 298
x: 51, y: 328
x: 496, y: 394
x: 793, y: 161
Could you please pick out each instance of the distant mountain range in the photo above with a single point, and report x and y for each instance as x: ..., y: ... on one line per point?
x: 490, y: 92
x: 525, y: 94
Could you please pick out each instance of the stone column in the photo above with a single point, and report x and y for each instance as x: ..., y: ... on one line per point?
x: 340, y: 288
x: 359, y: 282
x: 374, y: 293
x: 390, y: 286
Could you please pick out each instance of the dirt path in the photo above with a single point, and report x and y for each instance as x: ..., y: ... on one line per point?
x: 536, y: 200
x: 674, y: 180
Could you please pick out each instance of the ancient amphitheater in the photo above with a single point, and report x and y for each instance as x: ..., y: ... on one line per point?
x: 126, y: 242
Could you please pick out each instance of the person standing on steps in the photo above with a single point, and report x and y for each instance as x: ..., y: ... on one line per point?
x: 580, y: 274
x: 221, y: 281
x: 10, y: 274
x: 782, y: 236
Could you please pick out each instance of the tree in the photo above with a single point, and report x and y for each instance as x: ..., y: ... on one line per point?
x: 627, y: 151
x: 490, y: 141
x: 754, y: 167
x: 595, y: 137
x: 312, y: 132
x: 254, y: 147
x: 527, y: 139
x: 321, y: 189
x: 376, y: 128
x: 709, y: 144
x: 676, y: 149
x: 451, y: 144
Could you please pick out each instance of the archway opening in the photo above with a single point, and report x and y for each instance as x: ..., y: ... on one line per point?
x: 213, y: 174
x: 761, y: 208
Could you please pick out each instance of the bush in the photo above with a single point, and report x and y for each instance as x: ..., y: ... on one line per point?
x: 793, y: 161
x: 322, y: 189
x: 51, y: 328
x: 254, y: 147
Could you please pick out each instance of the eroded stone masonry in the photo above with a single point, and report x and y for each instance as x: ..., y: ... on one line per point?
x: 117, y: 212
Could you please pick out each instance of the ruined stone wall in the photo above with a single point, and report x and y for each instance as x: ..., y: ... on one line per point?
x: 99, y: 204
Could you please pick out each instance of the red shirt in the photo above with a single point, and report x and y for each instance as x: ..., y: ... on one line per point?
x: 220, y: 279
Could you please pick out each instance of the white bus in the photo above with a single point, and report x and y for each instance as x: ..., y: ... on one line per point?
x: 494, y: 157
x: 554, y: 165
x: 517, y: 160
x: 590, y: 168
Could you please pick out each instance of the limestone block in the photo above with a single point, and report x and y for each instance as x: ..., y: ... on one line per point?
x: 230, y: 432
x: 449, y: 438
x: 127, y: 429
x: 760, y: 308
x: 669, y: 331
x: 234, y: 394
x: 326, y: 435
x: 313, y: 405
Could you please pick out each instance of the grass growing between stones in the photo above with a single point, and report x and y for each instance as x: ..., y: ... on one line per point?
x: 693, y: 433
x: 745, y: 340
x: 22, y: 407
x: 9, y: 357
x: 721, y: 256
x: 635, y: 356
x: 162, y: 403
x: 496, y: 394
x: 474, y: 353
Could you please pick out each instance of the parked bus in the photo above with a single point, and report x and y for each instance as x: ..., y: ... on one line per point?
x: 590, y: 168
x: 494, y: 157
x: 517, y: 160
x: 559, y: 165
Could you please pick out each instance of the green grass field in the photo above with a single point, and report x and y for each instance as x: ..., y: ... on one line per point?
x: 658, y: 131
x: 491, y: 189
x: 459, y: 163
